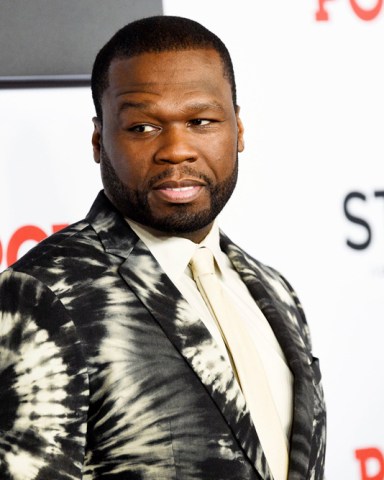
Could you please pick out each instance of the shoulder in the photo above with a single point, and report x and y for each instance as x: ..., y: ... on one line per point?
x: 267, y: 283
x: 61, y: 259
x: 57, y: 244
x: 81, y: 240
x: 254, y: 270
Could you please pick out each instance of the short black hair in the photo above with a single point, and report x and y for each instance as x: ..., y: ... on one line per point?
x: 154, y: 35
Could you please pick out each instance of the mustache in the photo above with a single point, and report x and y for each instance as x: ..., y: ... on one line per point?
x: 181, y: 171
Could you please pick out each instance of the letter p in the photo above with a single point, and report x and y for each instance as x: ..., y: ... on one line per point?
x: 368, y: 458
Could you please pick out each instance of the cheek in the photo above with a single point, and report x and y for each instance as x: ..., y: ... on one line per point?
x: 225, y: 143
x: 131, y: 174
x: 129, y: 167
x: 223, y: 156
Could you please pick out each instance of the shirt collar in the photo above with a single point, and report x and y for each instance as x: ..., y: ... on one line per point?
x: 175, y: 253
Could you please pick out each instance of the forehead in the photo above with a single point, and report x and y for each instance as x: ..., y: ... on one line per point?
x: 198, y: 70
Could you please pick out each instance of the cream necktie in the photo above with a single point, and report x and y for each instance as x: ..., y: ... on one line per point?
x: 246, y: 363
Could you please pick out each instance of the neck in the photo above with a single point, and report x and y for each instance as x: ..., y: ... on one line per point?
x: 196, y: 236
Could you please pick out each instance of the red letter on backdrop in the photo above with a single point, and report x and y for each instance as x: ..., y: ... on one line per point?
x: 23, y: 234
x: 365, y: 454
x: 1, y: 253
x: 322, y: 14
x: 366, y: 14
x: 58, y: 227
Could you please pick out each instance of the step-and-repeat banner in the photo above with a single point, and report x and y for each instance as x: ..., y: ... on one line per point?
x: 310, y: 199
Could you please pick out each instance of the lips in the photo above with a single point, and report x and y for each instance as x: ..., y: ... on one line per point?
x: 178, y: 191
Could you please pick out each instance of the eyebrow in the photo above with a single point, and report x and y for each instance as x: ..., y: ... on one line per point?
x: 193, y: 107
x: 135, y: 105
x: 200, y: 106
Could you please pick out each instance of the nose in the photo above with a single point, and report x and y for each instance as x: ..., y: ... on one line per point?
x: 175, y: 146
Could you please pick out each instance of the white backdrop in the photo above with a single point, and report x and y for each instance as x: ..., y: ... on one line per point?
x: 312, y: 101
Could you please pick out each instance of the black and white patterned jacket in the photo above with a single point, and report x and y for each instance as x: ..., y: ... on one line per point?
x: 106, y: 372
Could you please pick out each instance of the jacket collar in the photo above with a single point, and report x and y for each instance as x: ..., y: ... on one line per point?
x: 113, y: 231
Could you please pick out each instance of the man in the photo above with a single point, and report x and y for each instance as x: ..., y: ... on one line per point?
x: 112, y: 364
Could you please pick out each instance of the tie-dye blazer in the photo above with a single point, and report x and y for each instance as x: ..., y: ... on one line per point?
x: 106, y: 372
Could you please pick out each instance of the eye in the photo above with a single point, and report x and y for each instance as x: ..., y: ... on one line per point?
x: 144, y: 128
x: 200, y: 122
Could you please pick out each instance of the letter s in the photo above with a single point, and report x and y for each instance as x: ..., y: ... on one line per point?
x: 357, y: 220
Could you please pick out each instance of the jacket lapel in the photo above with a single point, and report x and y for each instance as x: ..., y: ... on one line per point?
x: 194, y: 342
x: 180, y: 323
x: 277, y: 303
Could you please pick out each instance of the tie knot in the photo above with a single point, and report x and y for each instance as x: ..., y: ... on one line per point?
x: 202, y: 263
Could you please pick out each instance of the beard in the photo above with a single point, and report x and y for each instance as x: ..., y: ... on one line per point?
x: 134, y: 204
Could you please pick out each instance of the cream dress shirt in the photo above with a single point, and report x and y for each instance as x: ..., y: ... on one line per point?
x: 174, y: 254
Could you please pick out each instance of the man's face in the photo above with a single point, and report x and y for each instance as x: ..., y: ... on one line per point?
x: 169, y: 140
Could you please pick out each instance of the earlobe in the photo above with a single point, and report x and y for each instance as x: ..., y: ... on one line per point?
x: 240, y: 132
x: 96, y: 139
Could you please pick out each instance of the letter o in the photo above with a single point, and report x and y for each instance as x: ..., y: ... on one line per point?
x: 21, y: 235
x: 366, y: 15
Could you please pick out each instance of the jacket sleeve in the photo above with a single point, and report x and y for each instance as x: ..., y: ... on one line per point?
x: 43, y: 384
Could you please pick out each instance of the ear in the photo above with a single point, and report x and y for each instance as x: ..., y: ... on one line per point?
x: 240, y: 131
x: 96, y: 139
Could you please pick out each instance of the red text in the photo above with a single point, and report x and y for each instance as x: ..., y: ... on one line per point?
x: 366, y: 14
x: 371, y: 463
x: 24, y: 234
